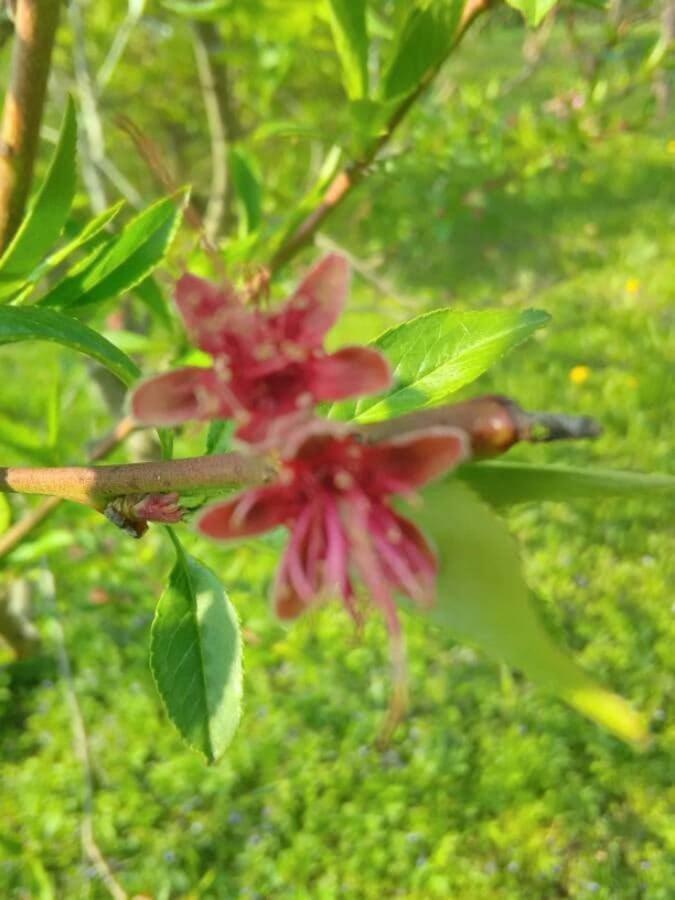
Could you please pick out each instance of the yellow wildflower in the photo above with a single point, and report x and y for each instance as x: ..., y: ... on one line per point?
x: 633, y: 285
x: 579, y: 374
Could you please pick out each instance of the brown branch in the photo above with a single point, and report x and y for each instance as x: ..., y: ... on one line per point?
x: 346, y: 180
x: 35, y: 24
x: 21, y: 529
x: 493, y: 424
x: 93, y: 485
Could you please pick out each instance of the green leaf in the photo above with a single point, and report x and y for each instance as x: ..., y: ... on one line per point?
x: 508, y: 483
x: 348, y: 23
x: 425, y: 39
x: 219, y: 436
x: 5, y: 513
x: 533, y: 11
x: 48, y: 211
x: 483, y: 598
x: 248, y: 189
x: 128, y: 259
x: 49, y: 325
x: 197, y: 9
x: 196, y: 656
x: 437, y: 353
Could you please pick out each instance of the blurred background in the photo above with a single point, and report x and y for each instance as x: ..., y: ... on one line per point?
x: 537, y: 171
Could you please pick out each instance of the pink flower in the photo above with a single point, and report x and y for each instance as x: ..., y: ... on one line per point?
x: 334, y: 497
x: 269, y: 368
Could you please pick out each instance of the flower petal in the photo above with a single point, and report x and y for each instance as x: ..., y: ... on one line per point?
x: 351, y: 372
x: 252, y: 512
x: 174, y: 397
x: 209, y: 309
x: 410, y: 461
x: 317, y: 303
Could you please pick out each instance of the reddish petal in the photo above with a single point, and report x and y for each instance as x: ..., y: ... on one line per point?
x: 410, y: 461
x: 252, y: 512
x: 209, y: 310
x: 285, y: 600
x: 174, y: 398
x: 351, y: 372
x: 317, y: 303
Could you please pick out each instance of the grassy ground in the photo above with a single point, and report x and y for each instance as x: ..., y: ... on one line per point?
x: 492, y: 790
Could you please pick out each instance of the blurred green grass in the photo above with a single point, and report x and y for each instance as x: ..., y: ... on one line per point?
x: 491, y: 790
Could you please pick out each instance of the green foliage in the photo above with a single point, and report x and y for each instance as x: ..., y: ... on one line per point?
x: 483, y: 598
x: 508, y: 483
x: 195, y: 655
x: 348, y: 23
x: 248, y: 190
x: 436, y: 354
x: 48, y: 211
x: 124, y: 262
x: 533, y: 11
x: 50, y: 325
x: 424, y: 40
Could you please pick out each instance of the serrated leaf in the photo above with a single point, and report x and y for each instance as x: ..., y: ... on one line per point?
x: 437, y: 353
x: 248, y: 190
x: 348, y: 24
x: 48, y: 211
x: 508, y: 483
x: 426, y: 37
x: 18, y: 324
x: 533, y: 11
x: 126, y: 261
x: 196, y: 656
x: 483, y: 598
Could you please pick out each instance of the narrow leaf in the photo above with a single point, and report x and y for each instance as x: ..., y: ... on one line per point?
x: 437, y: 353
x: 248, y: 190
x: 49, y: 325
x: 128, y: 259
x: 426, y: 38
x: 483, y: 598
x: 348, y: 23
x: 48, y: 211
x: 508, y: 483
x: 196, y: 657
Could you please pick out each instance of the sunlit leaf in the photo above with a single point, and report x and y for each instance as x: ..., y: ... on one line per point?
x: 508, y: 483
x: 126, y: 261
x: 196, y: 657
x: 248, y: 189
x: 425, y: 39
x: 435, y: 354
x: 483, y: 598
x: 348, y: 23
x: 49, y: 325
x: 48, y: 211
x: 533, y: 11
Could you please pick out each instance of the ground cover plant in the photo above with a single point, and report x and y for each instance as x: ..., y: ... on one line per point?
x: 544, y: 233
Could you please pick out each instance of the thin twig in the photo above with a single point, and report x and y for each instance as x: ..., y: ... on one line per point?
x: 35, y: 24
x: 347, y: 179
x: 81, y: 749
x: 223, y: 126
x: 25, y: 526
x: 492, y: 423
x: 92, y: 140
